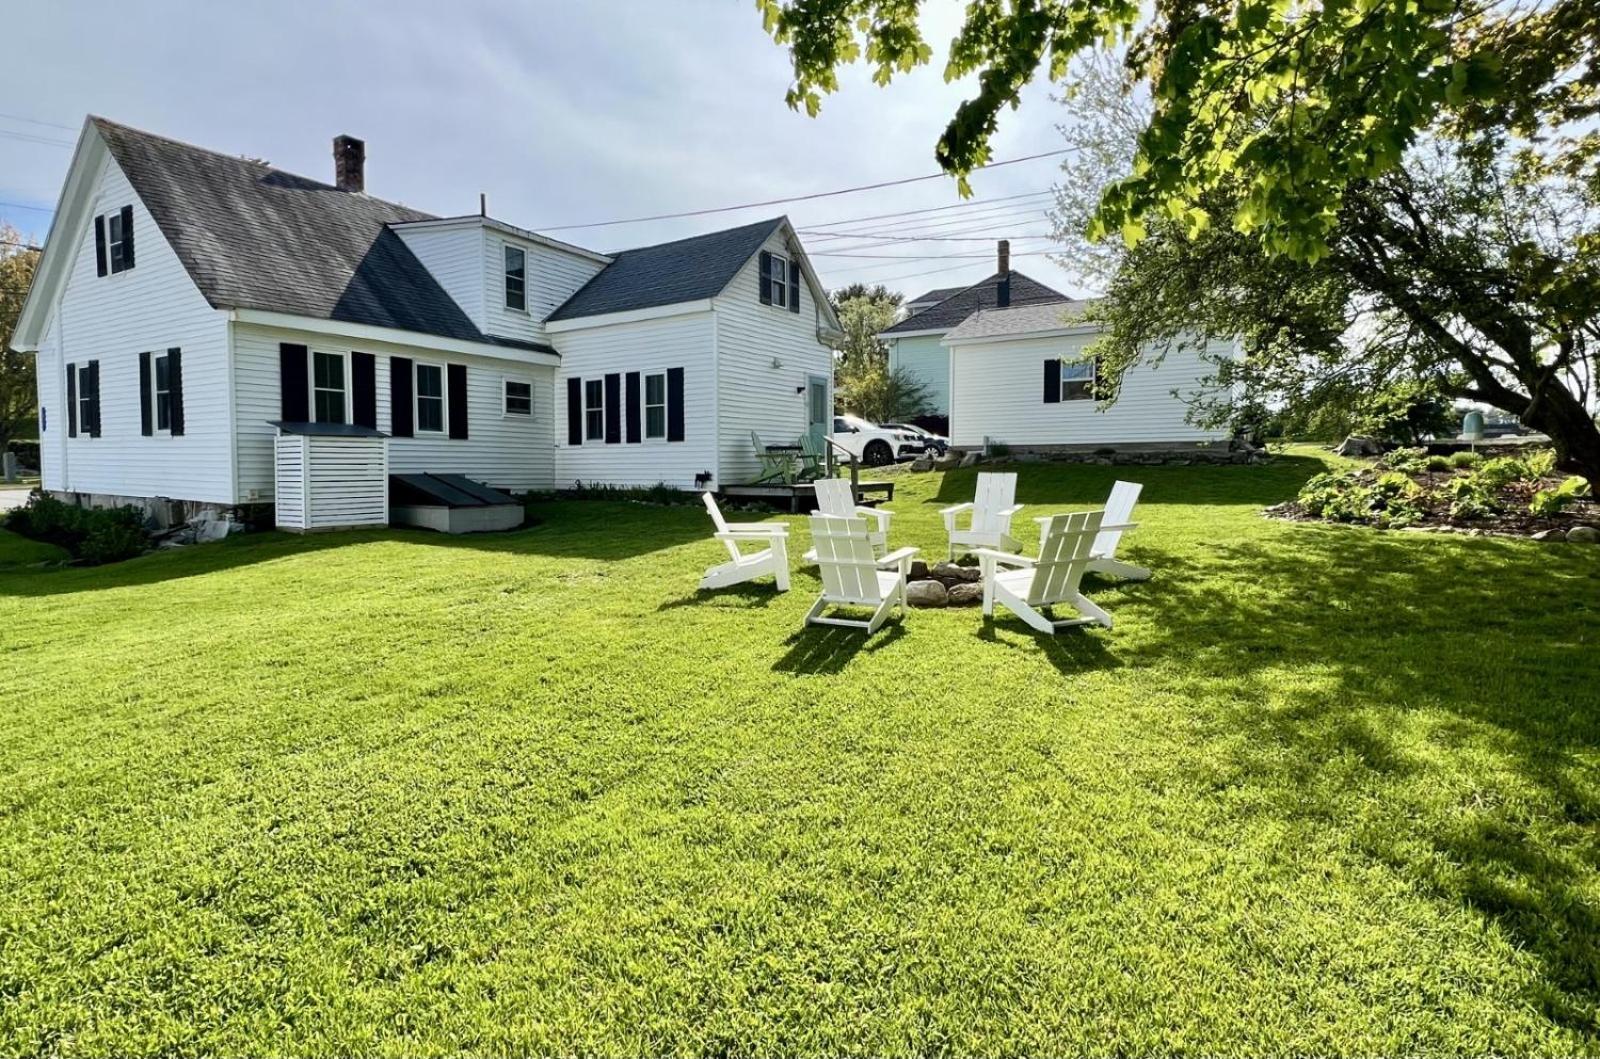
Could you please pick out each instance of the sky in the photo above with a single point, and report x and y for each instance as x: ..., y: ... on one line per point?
x: 562, y: 113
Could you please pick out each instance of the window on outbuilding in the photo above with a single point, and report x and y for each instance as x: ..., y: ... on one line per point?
x: 430, y: 399
x: 516, y: 278
x: 594, y: 409
x: 518, y: 398
x: 1077, y: 380
x: 328, y: 385
x: 655, y: 405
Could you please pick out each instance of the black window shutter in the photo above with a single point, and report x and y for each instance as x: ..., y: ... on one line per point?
x: 364, y: 390
x: 613, y: 409
x: 631, y: 387
x: 91, y: 390
x: 100, y: 245
x: 766, y: 278
x: 127, y: 238
x: 794, y: 286
x: 574, y: 411
x: 674, y: 404
x: 175, y: 390
x: 72, y: 400
x: 401, y: 414
x: 1052, y: 381
x: 294, y: 384
x: 146, y: 412
x: 456, y: 387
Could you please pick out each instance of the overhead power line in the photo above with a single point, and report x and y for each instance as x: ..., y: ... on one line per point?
x: 36, y: 121
x: 942, y: 226
x: 25, y: 206
x: 969, y: 205
x: 28, y: 137
x: 793, y: 198
x: 922, y: 257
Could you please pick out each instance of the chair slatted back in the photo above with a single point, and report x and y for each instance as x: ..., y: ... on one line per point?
x: 719, y: 522
x: 996, y: 492
x: 845, y: 559
x: 835, y: 497
x: 1065, y: 544
x: 755, y: 439
x: 1119, y: 511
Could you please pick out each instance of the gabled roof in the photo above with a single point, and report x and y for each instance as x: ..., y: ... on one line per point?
x: 683, y: 270
x: 1042, y: 317
x: 938, y: 294
x: 950, y: 312
x: 255, y: 237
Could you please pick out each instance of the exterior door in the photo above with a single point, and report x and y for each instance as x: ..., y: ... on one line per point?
x: 819, y: 407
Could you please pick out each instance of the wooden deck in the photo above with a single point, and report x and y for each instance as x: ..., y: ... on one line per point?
x: 802, y: 496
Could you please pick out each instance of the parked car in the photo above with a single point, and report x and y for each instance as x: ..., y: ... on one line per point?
x: 937, y: 443
x: 875, y: 445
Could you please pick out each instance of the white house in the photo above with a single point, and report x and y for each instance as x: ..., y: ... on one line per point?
x: 1006, y: 361
x: 190, y: 307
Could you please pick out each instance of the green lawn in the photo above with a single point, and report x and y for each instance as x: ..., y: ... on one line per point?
x: 1321, y: 789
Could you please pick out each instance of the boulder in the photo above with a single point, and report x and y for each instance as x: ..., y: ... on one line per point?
x: 919, y: 570
x: 922, y: 463
x: 951, y: 574
x: 947, y: 463
x: 1355, y: 445
x: 1581, y: 535
x: 971, y: 459
x: 926, y: 594
x: 967, y: 594
x: 1549, y: 535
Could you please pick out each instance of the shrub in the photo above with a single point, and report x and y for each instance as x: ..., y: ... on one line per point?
x: 1540, y: 464
x: 1408, y: 461
x: 660, y: 493
x: 94, y: 535
x: 1501, y: 471
x: 1462, y: 461
x: 1438, y: 463
x: 1470, y: 498
x: 1548, y: 502
x: 1392, y: 499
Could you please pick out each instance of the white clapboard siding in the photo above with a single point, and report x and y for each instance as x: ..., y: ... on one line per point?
x: 331, y: 482
x: 998, y: 393
x: 753, y: 393
x: 153, y: 306
x: 552, y: 276
x: 454, y: 256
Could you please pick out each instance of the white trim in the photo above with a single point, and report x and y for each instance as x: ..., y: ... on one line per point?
x: 73, y: 210
x: 630, y: 316
x: 503, y: 228
x: 443, y: 398
x: 392, y: 335
x: 644, y: 405
x: 347, y: 390
x: 521, y: 380
x: 505, y: 278
x: 156, y: 429
x: 585, y: 382
x: 890, y: 336
x: 779, y: 295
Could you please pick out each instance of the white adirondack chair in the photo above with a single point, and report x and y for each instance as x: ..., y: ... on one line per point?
x: 1118, y: 520
x: 835, y: 496
x: 746, y: 566
x: 1065, y: 546
x: 990, y: 522
x: 853, y: 576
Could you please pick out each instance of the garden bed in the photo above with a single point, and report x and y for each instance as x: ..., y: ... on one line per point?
x: 1519, y: 496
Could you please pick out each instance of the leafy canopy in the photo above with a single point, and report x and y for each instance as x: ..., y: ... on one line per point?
x: 1284, y: 102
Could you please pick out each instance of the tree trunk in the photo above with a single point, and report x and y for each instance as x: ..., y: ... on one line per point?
x: 1572, y: 431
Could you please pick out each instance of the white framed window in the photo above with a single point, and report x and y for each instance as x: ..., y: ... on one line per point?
x: 518, y: 398
x: 161, y: 393
x: 430, y: 398
x: 779, y: 280
x: 329, y: 387
x: 655, y: 405
x: 117, y: 239
x: 1077, y: 379
x: 516, y: 272
x: 88, y: 396
x: 594, y: 410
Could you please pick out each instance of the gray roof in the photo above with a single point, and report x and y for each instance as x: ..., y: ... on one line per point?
x: 950, y: 312
x: 938, y: 294
x: 1021, y: 320
x: 255, y: 237
x: 667, y: 273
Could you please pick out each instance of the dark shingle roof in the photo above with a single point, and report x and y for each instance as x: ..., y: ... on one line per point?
x: 680, y: 271
x: 938, y: 294
x: 255, y: 237
x: 951, y: 311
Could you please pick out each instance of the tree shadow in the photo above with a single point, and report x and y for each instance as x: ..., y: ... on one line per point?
x: 827, y: 649
x: 1072, y: 651
x: 752, y: 595
x: 1045, y: 483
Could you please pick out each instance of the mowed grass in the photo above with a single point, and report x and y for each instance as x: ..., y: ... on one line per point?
x: 1321, y: 790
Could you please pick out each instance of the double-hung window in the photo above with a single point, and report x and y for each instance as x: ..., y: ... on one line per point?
x: 516, y: 278
x: 594, y: 410
x: 430, y: 399
x: 88, y: 386
x: 328, y: 387
x: 161, y: 392
x: 655, y: 406
x: 778, y: 274
x: 1077, y: 379
x: 518, y: 398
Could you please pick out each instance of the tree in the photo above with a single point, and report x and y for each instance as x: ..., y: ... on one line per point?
x: 1283, y: 105
x: 18, y: 392
x: 863, y: 312
x: 880, y: 395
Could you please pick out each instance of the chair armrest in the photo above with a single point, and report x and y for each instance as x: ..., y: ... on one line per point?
x: 1012, y: 510
x: 950, y: 514
x: 881, y: 517
x: 751, y: 535
x: 955, y: 508
x: 1008, y: 558
x: 1119, y: 526
x: 901, y: 557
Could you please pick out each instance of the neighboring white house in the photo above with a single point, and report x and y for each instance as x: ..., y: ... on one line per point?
x: 1004, y: 360
x: 188, y: 302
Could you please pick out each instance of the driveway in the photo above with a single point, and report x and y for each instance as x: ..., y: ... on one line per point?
x: 13, y: 496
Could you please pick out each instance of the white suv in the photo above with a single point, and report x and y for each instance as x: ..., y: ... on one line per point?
x: 874, y: 445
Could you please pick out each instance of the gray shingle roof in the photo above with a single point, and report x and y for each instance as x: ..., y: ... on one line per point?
x: 950, y: 312
x: 255, y: 237
x: 667, y: 273
x: 1020, y: 320
x: 938, y: 294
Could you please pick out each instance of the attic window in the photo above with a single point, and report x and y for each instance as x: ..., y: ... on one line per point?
x: 778, y: 270
x: 516, y: 278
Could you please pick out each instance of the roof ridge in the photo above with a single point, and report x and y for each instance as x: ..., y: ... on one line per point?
x: 771, y: 223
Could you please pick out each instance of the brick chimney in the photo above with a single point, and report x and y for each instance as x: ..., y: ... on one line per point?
x: 349, y: 163
x: 1002, y: 293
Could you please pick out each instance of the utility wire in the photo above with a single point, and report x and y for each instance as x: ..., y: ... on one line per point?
x: 28, y: 137
x: 23, y: 206
x: 794, y: 198
x: 935, y: 209
x: 36, y: 121
x: 945, y: 226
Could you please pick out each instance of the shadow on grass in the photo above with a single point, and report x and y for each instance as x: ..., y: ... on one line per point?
x: 1045, y: 484
x: 825, y: 649
x: 749, y: 596
x: 1072, y: 651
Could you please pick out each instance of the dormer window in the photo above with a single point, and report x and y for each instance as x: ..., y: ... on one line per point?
x: 113, y: 241
x: 516, y: 279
